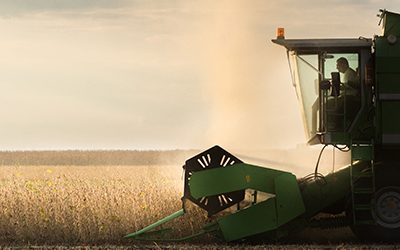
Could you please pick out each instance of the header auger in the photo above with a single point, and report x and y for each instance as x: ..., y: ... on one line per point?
x: 356, y: 109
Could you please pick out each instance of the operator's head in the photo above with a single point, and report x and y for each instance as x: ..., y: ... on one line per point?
x: 342, y: 64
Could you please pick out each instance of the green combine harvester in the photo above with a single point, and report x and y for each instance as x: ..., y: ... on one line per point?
x: 356, y: 110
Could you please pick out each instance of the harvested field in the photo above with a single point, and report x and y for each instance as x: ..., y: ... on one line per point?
x: 158, y: 246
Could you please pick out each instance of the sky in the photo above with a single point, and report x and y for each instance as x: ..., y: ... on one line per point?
x: 158, y: 74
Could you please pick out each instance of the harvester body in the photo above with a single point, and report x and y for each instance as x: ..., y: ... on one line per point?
x: 362, y: 117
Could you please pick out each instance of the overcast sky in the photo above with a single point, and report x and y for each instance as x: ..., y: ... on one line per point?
x: 91, y: 74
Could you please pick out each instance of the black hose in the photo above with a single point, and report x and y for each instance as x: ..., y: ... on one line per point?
x: 319, y: 158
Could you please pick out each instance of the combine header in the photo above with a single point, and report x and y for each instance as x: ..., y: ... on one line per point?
x: 349, y: 92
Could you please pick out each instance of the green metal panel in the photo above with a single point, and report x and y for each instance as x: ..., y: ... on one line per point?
x: 261, y: 217
x: 391, y: 23
x: 288, y: 198
x: 388, y: 64
x: 388, y: 83
x: 391, y: 117
x: 232, y: 178
x: 387, y: 68
x: 386, y: 50
x: 253, y: 220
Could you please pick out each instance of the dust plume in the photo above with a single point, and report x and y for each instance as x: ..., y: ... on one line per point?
x: 251, y: 102
x: 241, y: 79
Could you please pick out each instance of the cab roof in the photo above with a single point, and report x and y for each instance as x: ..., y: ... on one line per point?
x: 322, y: 44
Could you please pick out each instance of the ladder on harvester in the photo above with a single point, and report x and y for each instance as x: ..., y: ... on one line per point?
x: 362, y: 182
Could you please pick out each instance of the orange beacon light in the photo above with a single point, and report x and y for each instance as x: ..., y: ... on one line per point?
x: 280, y: 33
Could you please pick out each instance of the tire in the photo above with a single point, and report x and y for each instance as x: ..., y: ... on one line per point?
x: 385, y: 208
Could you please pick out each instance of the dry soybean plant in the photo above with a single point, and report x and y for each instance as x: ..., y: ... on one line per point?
x: 87, y: 204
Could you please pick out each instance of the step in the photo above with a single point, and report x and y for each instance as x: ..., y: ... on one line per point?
x: 362, y: 207
x: 365, y: 174
x: 334, y: 114
x: 363, y: 191
x: 365, y: 222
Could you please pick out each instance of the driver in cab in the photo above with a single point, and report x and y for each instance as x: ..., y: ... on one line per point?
x: 350, y: 78
x: 348, y: 92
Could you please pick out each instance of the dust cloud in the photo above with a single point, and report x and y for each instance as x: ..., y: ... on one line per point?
x: 252, y: 106
x: 239, y: 73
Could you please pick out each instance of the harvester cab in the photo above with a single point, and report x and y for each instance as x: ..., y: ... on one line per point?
x: 349, y: 93
x: 333, y: 100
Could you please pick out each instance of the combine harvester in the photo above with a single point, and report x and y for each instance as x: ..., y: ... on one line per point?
x: 361, y: 115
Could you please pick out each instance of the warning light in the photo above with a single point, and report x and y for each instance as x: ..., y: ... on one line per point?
x: 280, y: 33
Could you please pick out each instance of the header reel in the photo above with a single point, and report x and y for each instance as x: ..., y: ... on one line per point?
x: 215, y: 157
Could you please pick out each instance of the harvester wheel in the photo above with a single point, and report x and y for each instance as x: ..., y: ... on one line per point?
x: 385, y: 209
